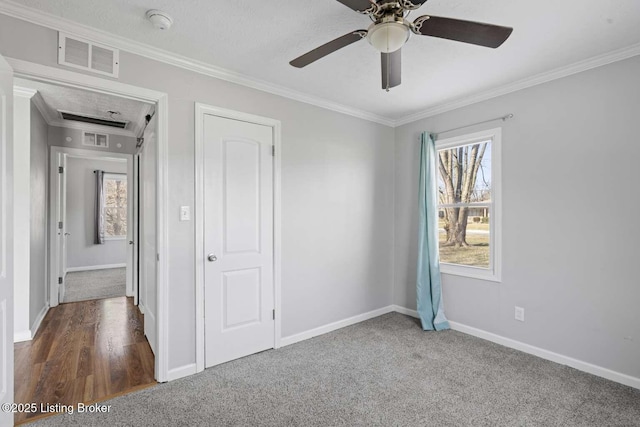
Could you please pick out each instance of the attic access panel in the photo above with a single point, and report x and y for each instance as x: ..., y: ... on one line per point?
x: 93, y: 120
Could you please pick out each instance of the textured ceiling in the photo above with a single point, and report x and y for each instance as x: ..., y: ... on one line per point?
x: 94, y: 104
x: 259, y: 38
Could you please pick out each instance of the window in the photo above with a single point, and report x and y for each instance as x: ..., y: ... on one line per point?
x: 469, y: 205
x: 115, y: 206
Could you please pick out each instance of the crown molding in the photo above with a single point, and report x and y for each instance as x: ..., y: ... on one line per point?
x: 558, y: 73
x: 38, y: 101
x: 24, y: 92
x: 44, y: 19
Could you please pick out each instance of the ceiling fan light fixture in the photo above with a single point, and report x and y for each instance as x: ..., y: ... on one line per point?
x: 388, y: 37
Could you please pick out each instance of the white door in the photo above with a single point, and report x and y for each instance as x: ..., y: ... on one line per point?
x: 238, y: 239
x: 148, y: 285
x: 6, y: 240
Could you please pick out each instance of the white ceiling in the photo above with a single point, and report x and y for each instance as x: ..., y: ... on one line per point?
x: 259, y: 38
x: 61, y: 98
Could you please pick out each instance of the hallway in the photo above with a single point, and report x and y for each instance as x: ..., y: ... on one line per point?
x: 84, y: 352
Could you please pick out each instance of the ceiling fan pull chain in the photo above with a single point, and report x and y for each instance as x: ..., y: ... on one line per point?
x: 388, y: 73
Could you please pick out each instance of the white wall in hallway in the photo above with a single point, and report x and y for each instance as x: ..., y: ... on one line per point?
x: 81, y: 198
x: 39, y: 174
x: 30, y: 209
x: 58, y: 137
x: 21, y: 210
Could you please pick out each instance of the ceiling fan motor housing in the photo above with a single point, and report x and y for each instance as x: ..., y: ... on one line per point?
x: 389, y: 33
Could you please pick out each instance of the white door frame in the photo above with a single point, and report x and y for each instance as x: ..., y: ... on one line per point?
x: 200, y: 111
x: 59, y: 76
x: 134, y: 227
x: 6, y: 239
x: 56, y: 255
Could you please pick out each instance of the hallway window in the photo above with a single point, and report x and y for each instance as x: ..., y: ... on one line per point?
x: 115, y: 206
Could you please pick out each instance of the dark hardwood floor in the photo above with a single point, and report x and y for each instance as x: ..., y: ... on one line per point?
x: 83, y: 352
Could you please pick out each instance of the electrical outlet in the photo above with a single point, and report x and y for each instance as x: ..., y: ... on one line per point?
x: 519, y: 313
x: 185, y: 213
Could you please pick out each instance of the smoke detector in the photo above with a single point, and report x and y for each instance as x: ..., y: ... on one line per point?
x: 161, y: 20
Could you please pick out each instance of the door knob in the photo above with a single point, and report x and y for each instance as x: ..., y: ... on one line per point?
x: 212, y: 258
x: 131, y: 242
x: 67, y: 234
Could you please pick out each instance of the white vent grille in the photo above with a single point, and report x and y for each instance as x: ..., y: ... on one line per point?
x: 95, y: 139
x: 86, y: 55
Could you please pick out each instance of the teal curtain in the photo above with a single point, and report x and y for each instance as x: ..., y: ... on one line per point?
x: 429, y: 288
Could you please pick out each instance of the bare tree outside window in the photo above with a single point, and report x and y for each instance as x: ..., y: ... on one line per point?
x: 464, y: 186
x: 115, y: 210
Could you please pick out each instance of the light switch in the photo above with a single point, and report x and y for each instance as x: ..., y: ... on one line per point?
x: 185, y: 213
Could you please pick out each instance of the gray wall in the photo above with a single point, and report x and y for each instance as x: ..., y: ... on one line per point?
x: 81, y: 199
x: 58, y: 135
x: 337, y: 194
x: 38, y: 220
x: 570, y: 223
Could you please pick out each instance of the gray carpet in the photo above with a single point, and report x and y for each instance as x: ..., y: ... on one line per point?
x: 382, y: 372
x: 95, y: 284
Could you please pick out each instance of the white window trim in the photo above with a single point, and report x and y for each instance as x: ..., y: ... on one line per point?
x: 494, y: 272
x: 121, y: 177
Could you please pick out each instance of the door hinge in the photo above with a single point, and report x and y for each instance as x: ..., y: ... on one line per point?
x: 274, y: 314
x: 60, y: 169
x: 60, y: 225
x: 273, y: 150
x: 157, y: 257
x: 59, y: 280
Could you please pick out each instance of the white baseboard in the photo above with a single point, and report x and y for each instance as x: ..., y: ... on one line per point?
x: 30, y: 333
x: 95, y: 267
x: 335, y: 325
x: 141, y: 306
x: 38, y: 320
x: 537, y: 351
x: 150, y: 319
x: 549, y: 355
x: 22, y: 336
x: 405, y: 310
x: 181, y: 372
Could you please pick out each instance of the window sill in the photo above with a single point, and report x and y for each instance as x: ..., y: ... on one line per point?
x: 470, y: 272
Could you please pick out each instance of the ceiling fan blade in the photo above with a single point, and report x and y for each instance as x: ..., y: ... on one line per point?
x: 391, y: 69
x: 412, y: 4
x: 357, y: 5
x: 327, y: 48
x: 463, y: 31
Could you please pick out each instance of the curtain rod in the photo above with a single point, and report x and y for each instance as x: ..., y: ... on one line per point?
x: 110, y: 173
x: 503, y: 118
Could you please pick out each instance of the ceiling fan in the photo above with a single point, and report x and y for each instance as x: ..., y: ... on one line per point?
x: 390, y: 30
